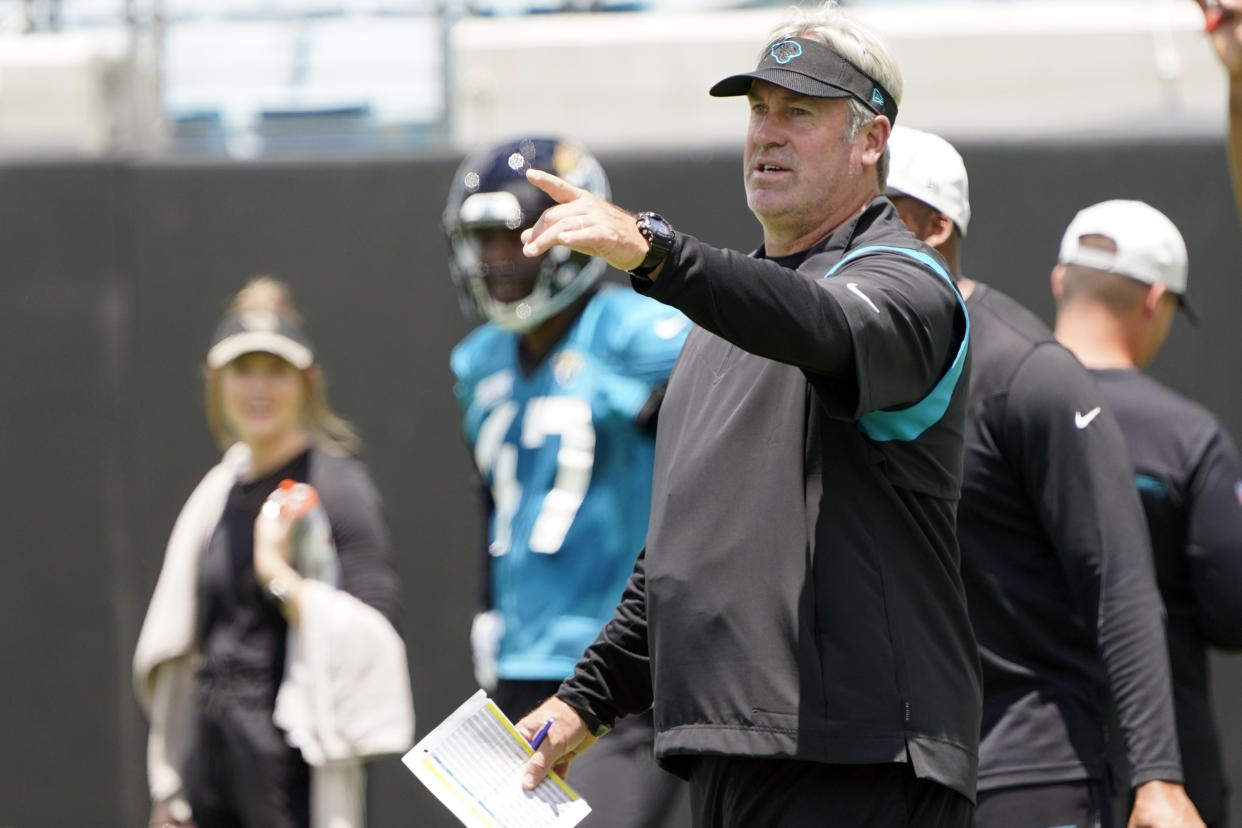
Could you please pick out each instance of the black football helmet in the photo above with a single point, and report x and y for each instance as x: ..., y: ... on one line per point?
x: 490, y: 190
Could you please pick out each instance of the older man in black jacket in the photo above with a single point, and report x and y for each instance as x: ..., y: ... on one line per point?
x: 797, y: 618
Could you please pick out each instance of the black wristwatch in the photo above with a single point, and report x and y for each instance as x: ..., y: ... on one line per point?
x: 659, y: 234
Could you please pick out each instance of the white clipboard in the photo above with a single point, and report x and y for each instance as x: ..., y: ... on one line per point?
x: 472, y: 762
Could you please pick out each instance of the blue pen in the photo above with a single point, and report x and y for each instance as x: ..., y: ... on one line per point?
x: 543, y: 731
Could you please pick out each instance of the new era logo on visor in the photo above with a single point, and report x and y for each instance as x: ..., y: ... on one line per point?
x: 785, y: 51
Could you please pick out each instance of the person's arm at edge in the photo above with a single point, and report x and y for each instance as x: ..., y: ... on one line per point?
x: 1227, y: 41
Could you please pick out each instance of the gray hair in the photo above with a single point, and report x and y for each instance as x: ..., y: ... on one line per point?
x: 829, y: 25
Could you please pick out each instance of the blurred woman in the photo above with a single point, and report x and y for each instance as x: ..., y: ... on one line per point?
x: 267, y: 686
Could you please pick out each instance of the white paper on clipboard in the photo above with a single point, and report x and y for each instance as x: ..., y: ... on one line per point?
x: 473, y: 762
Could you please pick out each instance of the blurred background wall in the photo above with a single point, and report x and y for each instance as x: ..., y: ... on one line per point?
x: 131, y: 209
x: 243, y: 78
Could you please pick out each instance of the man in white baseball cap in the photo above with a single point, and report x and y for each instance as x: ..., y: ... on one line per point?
x: 1129, y: 239
x: 1060, y: 588
x: 1120, y: 278
x: 927, y: 168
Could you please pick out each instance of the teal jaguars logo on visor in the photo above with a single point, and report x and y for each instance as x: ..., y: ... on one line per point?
x: 785, y: 51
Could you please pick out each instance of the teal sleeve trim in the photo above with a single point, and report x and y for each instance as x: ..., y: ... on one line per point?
x: 908, y: 423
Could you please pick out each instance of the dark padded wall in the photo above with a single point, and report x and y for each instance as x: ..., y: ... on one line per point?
x: 66, y: 589
x: 117, y: 271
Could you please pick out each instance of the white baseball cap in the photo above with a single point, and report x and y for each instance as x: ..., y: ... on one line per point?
x: 1149, y: 247
x: 927, y: 167
x: 260, y: 331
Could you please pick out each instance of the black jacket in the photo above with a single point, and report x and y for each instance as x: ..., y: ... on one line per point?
x: 799, y: 593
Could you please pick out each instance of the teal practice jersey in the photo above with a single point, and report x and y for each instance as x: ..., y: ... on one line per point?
x: 569, y: 470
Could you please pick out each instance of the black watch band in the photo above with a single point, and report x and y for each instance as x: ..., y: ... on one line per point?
x: 659, y: 235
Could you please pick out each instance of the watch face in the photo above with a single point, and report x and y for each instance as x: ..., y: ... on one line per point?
x: 657, y: 230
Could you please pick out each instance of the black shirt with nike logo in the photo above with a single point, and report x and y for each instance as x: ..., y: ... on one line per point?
x: 1057, y: 566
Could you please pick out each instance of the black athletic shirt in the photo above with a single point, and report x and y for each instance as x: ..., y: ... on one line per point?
x: 799, y: 593
x: 1187, y: 472
x: 1057, y: 565
x: 242, y: 632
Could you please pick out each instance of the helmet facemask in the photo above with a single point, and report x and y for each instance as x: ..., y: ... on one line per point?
x: 490, y: 192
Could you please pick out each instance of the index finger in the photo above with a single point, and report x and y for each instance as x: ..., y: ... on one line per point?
x: 537, y: 767
x: 562, y: 191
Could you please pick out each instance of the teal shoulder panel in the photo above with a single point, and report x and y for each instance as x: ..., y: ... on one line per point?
x: 908, y: 423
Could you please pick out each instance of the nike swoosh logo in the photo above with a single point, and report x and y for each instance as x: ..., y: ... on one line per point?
x: 670, y: 327
x: 853, y: 288
x: 1084, y: 420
